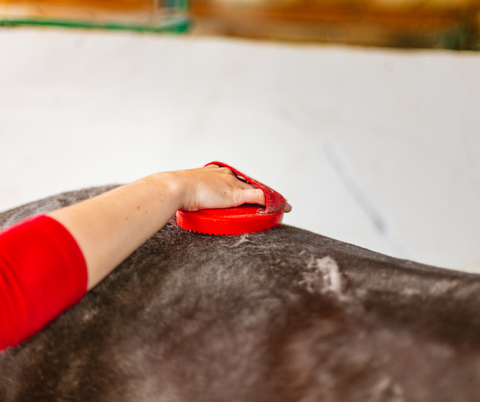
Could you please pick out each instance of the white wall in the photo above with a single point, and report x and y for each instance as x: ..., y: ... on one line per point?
x: 374, y: 147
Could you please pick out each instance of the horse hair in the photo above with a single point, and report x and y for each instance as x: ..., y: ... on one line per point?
x: 281, y: 315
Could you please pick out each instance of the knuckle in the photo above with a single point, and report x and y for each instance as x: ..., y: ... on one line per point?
x: 237, y: 197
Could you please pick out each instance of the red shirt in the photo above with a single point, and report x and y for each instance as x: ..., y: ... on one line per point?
x: 42, y: 273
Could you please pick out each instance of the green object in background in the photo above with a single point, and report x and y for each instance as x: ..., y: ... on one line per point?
x: 173, y: 18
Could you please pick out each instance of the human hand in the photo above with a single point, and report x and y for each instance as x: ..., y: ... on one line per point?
x: 213, y: 186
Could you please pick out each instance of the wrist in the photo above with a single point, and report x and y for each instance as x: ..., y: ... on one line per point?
x: 171, y: 187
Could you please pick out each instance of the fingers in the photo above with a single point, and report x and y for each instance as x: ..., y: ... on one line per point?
x: 252, y: 196
x: 219, y: 169
x: 256, y: 196
x: 241, y: 191
x: 288, y: 207
x: 245, y: 186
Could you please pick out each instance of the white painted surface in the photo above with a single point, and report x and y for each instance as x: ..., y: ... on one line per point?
x: 349, y: 136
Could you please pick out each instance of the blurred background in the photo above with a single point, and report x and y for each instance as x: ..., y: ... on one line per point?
x: 450, y: 24
x: 363, y: 113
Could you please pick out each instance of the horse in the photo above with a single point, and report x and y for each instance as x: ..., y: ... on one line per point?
x: 281, y: 315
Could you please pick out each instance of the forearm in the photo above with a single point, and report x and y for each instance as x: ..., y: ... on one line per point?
x: 108, y: 228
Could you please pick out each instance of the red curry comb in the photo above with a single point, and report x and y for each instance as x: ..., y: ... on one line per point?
x: 247, y: 218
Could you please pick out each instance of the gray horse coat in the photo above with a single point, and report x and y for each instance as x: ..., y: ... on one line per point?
x: 282, y: 315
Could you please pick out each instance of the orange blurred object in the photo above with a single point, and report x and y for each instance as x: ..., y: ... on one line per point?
x: 399, y: 23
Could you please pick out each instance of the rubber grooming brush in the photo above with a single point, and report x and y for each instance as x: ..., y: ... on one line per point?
x: 247, y: 218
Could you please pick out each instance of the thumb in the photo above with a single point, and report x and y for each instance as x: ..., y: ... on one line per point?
x: 252, y: 196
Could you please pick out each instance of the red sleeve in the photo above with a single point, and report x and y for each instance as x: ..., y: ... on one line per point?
x: 42, y: 273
